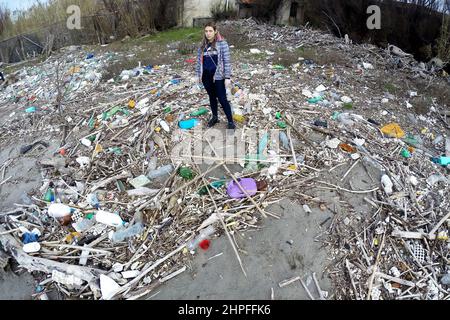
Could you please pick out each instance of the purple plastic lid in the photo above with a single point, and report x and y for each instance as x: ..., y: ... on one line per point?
x: 248, y: 184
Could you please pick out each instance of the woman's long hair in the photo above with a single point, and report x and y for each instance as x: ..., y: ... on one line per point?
x: 218, y: 36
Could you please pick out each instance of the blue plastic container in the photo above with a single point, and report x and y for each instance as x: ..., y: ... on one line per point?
x: 188, y: 124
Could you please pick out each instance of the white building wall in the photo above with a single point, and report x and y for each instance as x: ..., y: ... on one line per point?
x: 283, y: 12
x: 200, y: 9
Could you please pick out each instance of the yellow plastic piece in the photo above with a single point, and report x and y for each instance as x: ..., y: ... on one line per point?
x: 393, y: 130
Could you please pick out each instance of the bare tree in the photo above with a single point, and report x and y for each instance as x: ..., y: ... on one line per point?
x: 5, y: 19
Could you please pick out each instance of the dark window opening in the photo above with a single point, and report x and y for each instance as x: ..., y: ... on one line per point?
x: 294, y: 8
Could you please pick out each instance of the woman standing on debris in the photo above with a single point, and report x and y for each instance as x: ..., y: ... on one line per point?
x: 214, y: 71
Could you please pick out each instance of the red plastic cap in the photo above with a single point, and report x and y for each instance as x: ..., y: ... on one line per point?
x: 204, y: 244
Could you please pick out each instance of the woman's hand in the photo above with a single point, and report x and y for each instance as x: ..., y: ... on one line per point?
x: 227, y: 83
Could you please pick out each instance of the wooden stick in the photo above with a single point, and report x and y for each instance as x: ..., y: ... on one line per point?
x: 76, y: 247
x: 412, y: 235
x: 351, y: 168
x: 298, y: 132
x: 239, y: 185
x: 4, y: 181
x: 144, y: 272
x: 172, y: 275
x: 287, y: 282
x: 306, y: 289
x: 317, y: 286
x: 372, y: 277
x: 9, y: 244
x: 224, y: 226
x: 191, y: 182
x: 292, y: 148
x: 433, y: 231
x: 109, y: 180
x: 351, y: 191
x: 395, y: 279
x: 350, y: 273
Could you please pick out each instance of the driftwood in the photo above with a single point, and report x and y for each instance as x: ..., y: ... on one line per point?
x: 103, y: 183
x: 11, y: 246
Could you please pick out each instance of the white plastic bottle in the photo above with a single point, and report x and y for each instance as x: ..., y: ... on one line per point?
x: 122, y: 234
x: 59, y: 210
x: 387, y: 184
x: 164, y: 125
x: 204, y: 234
x: 108, y: 218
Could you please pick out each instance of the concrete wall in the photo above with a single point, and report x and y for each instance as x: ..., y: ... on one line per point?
x: 200, y: 9
x: 196, y: 9
x: 284, y: 10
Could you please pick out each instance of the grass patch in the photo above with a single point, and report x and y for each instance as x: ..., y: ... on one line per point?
x: 321, y: 58
x: 178, y: 34
x: 391, y: 88
x: 13, y: 68
x: 422, y: 104
x: 307, y: 53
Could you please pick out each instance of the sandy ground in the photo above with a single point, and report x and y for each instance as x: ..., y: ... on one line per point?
x: 25, y: 176
x: 283, y: 249
x: 275, y: 251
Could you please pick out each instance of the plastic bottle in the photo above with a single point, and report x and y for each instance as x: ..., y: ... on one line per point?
x: 108, y: 218
x: 186, y: 173
x: 152, y: 163
x: 123, y: 234
x: 281, y: 124
x: 49, y: 195
x: 263, y: 143
x: 445, y: 280
x: 443, y: 161
x: 93, y: 200
x: 345, y: 119
x: 188, y: 124
x: 284, y: 140
x: 164, y: 125
x: 435, y: 178
x: 83, y: 225
x: 370, y: 162
x: 387, y: 184
x: 161, y: 171
x: 199, y: 112
x: 315, y: 99
x: 204, y: 234
x: 59, y: 210
x: 438, y: 139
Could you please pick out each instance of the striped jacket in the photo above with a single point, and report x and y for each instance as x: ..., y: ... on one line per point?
x: 223, y: 70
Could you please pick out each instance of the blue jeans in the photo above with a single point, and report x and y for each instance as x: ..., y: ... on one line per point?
x: 216, y: 91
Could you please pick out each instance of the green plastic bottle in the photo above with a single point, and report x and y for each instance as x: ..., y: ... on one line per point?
x: 199, y: 112
x: 186, y: 173
x: 315, y: 99
x: 282, y: 124
x: 405, y: 153
x: 49, y: 195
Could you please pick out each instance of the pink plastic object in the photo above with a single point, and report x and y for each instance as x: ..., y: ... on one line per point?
x: 248, y: 184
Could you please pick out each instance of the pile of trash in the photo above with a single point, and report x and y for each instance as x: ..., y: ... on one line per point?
x: 117, y: 214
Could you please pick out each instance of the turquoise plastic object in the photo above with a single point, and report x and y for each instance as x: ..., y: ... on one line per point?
x: 188, y: 124
x: 315, y: 99
x: 263, y: 143
x: 30, y: 110
x: 443, y: 161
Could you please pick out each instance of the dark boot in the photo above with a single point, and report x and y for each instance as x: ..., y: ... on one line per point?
x: 213, y: 121
x: 231, y: 125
